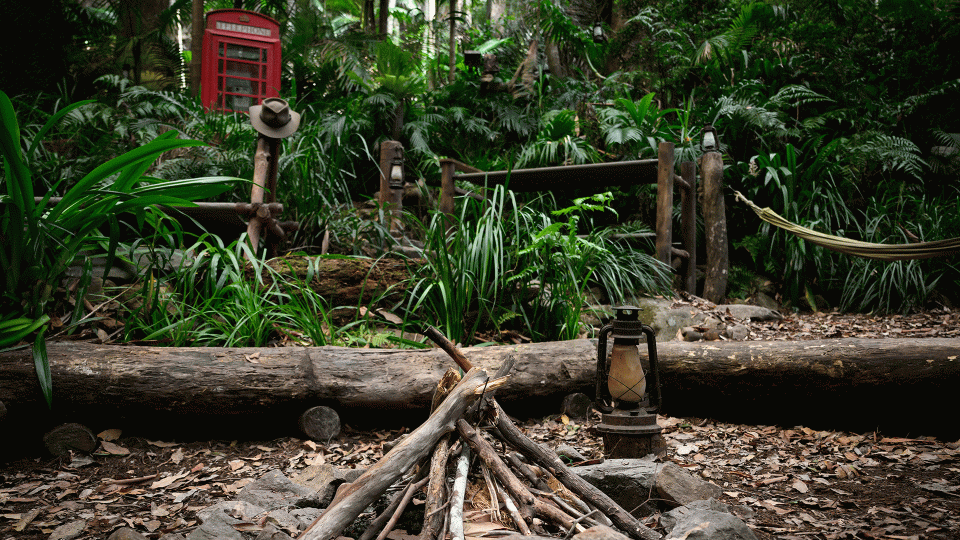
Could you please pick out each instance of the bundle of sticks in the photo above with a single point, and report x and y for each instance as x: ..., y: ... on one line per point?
x: 549, y: 495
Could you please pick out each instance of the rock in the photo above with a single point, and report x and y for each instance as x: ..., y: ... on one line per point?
x: 321, y: 424
x: 570, y: 453
x: 234, y: 511
x: 324, y: 479
x: 746, y: 311
x: 284, y: 520
x: 274, y: 491
x: 271, y: 532
x: 172, y: 536
x: 217, y: 521
x: 669, y: 519
x: 705, y: 520
x: 69, y: 531
x: 765, y: 300
x: 677, y: 486
x: 218, y: 526
x: 736, y: 332
x: 576, y: 406
x: 67, y: 437
x: 712, y: 323
x: 630, y: 482
x: 126, y: 533
x: 600, y: 532
x: 305, y: 516
x: 689, y: 333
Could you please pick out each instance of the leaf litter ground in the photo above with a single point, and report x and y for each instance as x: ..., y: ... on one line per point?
x: 785, y: 482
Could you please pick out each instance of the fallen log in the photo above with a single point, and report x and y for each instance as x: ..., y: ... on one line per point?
x: 895, y: 385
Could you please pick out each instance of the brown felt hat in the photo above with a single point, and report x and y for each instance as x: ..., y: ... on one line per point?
x: 274, y: 118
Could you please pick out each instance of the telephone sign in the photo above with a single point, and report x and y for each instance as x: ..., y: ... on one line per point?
x: 241, y: 60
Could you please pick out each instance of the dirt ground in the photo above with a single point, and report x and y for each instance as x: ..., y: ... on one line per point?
x: 786, y: 482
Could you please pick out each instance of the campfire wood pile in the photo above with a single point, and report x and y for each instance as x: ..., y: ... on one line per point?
x: 526, y: 489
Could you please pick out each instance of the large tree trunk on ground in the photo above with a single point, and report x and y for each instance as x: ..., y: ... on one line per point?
x: 344, y: 282
x: 899, y: 386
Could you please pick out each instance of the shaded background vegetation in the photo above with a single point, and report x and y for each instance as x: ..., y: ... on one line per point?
x: 841, y: 116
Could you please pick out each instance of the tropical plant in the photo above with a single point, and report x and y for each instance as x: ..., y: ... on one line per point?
x: 634, y: 128
x: 41, y: 238
x: 557, y: 143
x: 224, y: 296
x: 510, y: 265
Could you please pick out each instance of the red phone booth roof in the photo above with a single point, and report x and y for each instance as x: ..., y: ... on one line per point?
x: 244, y: 24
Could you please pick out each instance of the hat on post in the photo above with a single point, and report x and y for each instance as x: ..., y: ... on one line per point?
x: 274, y: 118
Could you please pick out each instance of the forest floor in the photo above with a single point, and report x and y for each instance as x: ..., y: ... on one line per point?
x: 786, y: 482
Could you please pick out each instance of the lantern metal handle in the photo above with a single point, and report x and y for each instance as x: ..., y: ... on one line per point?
x: 603, y: 369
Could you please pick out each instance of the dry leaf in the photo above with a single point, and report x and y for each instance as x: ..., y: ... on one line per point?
x: 165, y: 482
x: 177, y: 456
x: 389, y: 316
x: 114, y: 449
x: 161, y: 444
x: 110, y: 434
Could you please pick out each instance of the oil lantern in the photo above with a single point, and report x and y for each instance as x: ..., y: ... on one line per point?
x: 627, y: 396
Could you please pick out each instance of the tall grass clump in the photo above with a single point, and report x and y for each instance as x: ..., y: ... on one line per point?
x: 223, y: 296
x: 901, y: 286
x: 501, y: 264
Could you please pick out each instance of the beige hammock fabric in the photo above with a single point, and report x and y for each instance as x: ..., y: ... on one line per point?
x: 869, y: 250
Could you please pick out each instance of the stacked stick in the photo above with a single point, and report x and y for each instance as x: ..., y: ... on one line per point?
x: 549, y: 496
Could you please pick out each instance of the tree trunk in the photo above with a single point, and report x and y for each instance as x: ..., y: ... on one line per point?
x: 384, y: 17
x: 896, y: 385
x: 196, y: 46
x: 451, y: 76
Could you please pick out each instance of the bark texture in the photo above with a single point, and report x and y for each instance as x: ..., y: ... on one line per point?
x: 895, y: 385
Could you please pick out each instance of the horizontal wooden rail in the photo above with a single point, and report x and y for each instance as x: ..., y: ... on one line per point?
x: 594, y: 175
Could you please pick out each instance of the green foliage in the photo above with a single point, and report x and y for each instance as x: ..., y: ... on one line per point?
x: 224, y: 296
x: 509, y: 265
x: 41, y: 239
x: 557, y: 143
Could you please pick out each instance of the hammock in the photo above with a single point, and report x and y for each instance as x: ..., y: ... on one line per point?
x: 869, y: 250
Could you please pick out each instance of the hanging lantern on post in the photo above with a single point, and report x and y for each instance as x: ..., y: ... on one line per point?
x: 598, y: 35
x: 396, y: 170
x: 709, y: 142
x: 627, y: 397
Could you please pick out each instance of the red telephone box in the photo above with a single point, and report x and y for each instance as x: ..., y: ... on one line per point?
x: 241, y: 59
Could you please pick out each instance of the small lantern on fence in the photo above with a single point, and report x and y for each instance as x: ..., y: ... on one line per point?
x: 396, y: 170
x: 598, y: 35
x: 709, y: 142
x: 629, y: 426
x: 473, y: 59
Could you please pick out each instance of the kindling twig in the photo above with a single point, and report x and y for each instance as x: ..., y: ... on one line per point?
x: 458, y: 493
x: 404, y: 501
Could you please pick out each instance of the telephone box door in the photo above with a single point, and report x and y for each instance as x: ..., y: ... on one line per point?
x: 241, y: 60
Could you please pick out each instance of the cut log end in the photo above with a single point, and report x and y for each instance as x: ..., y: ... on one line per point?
x: 321, y: 424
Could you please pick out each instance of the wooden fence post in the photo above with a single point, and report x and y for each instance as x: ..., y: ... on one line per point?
x: 688, y: 224
x: 665, y: 202
x: 391, y: 198
x: 265, y: 162
x: 715, y: 223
